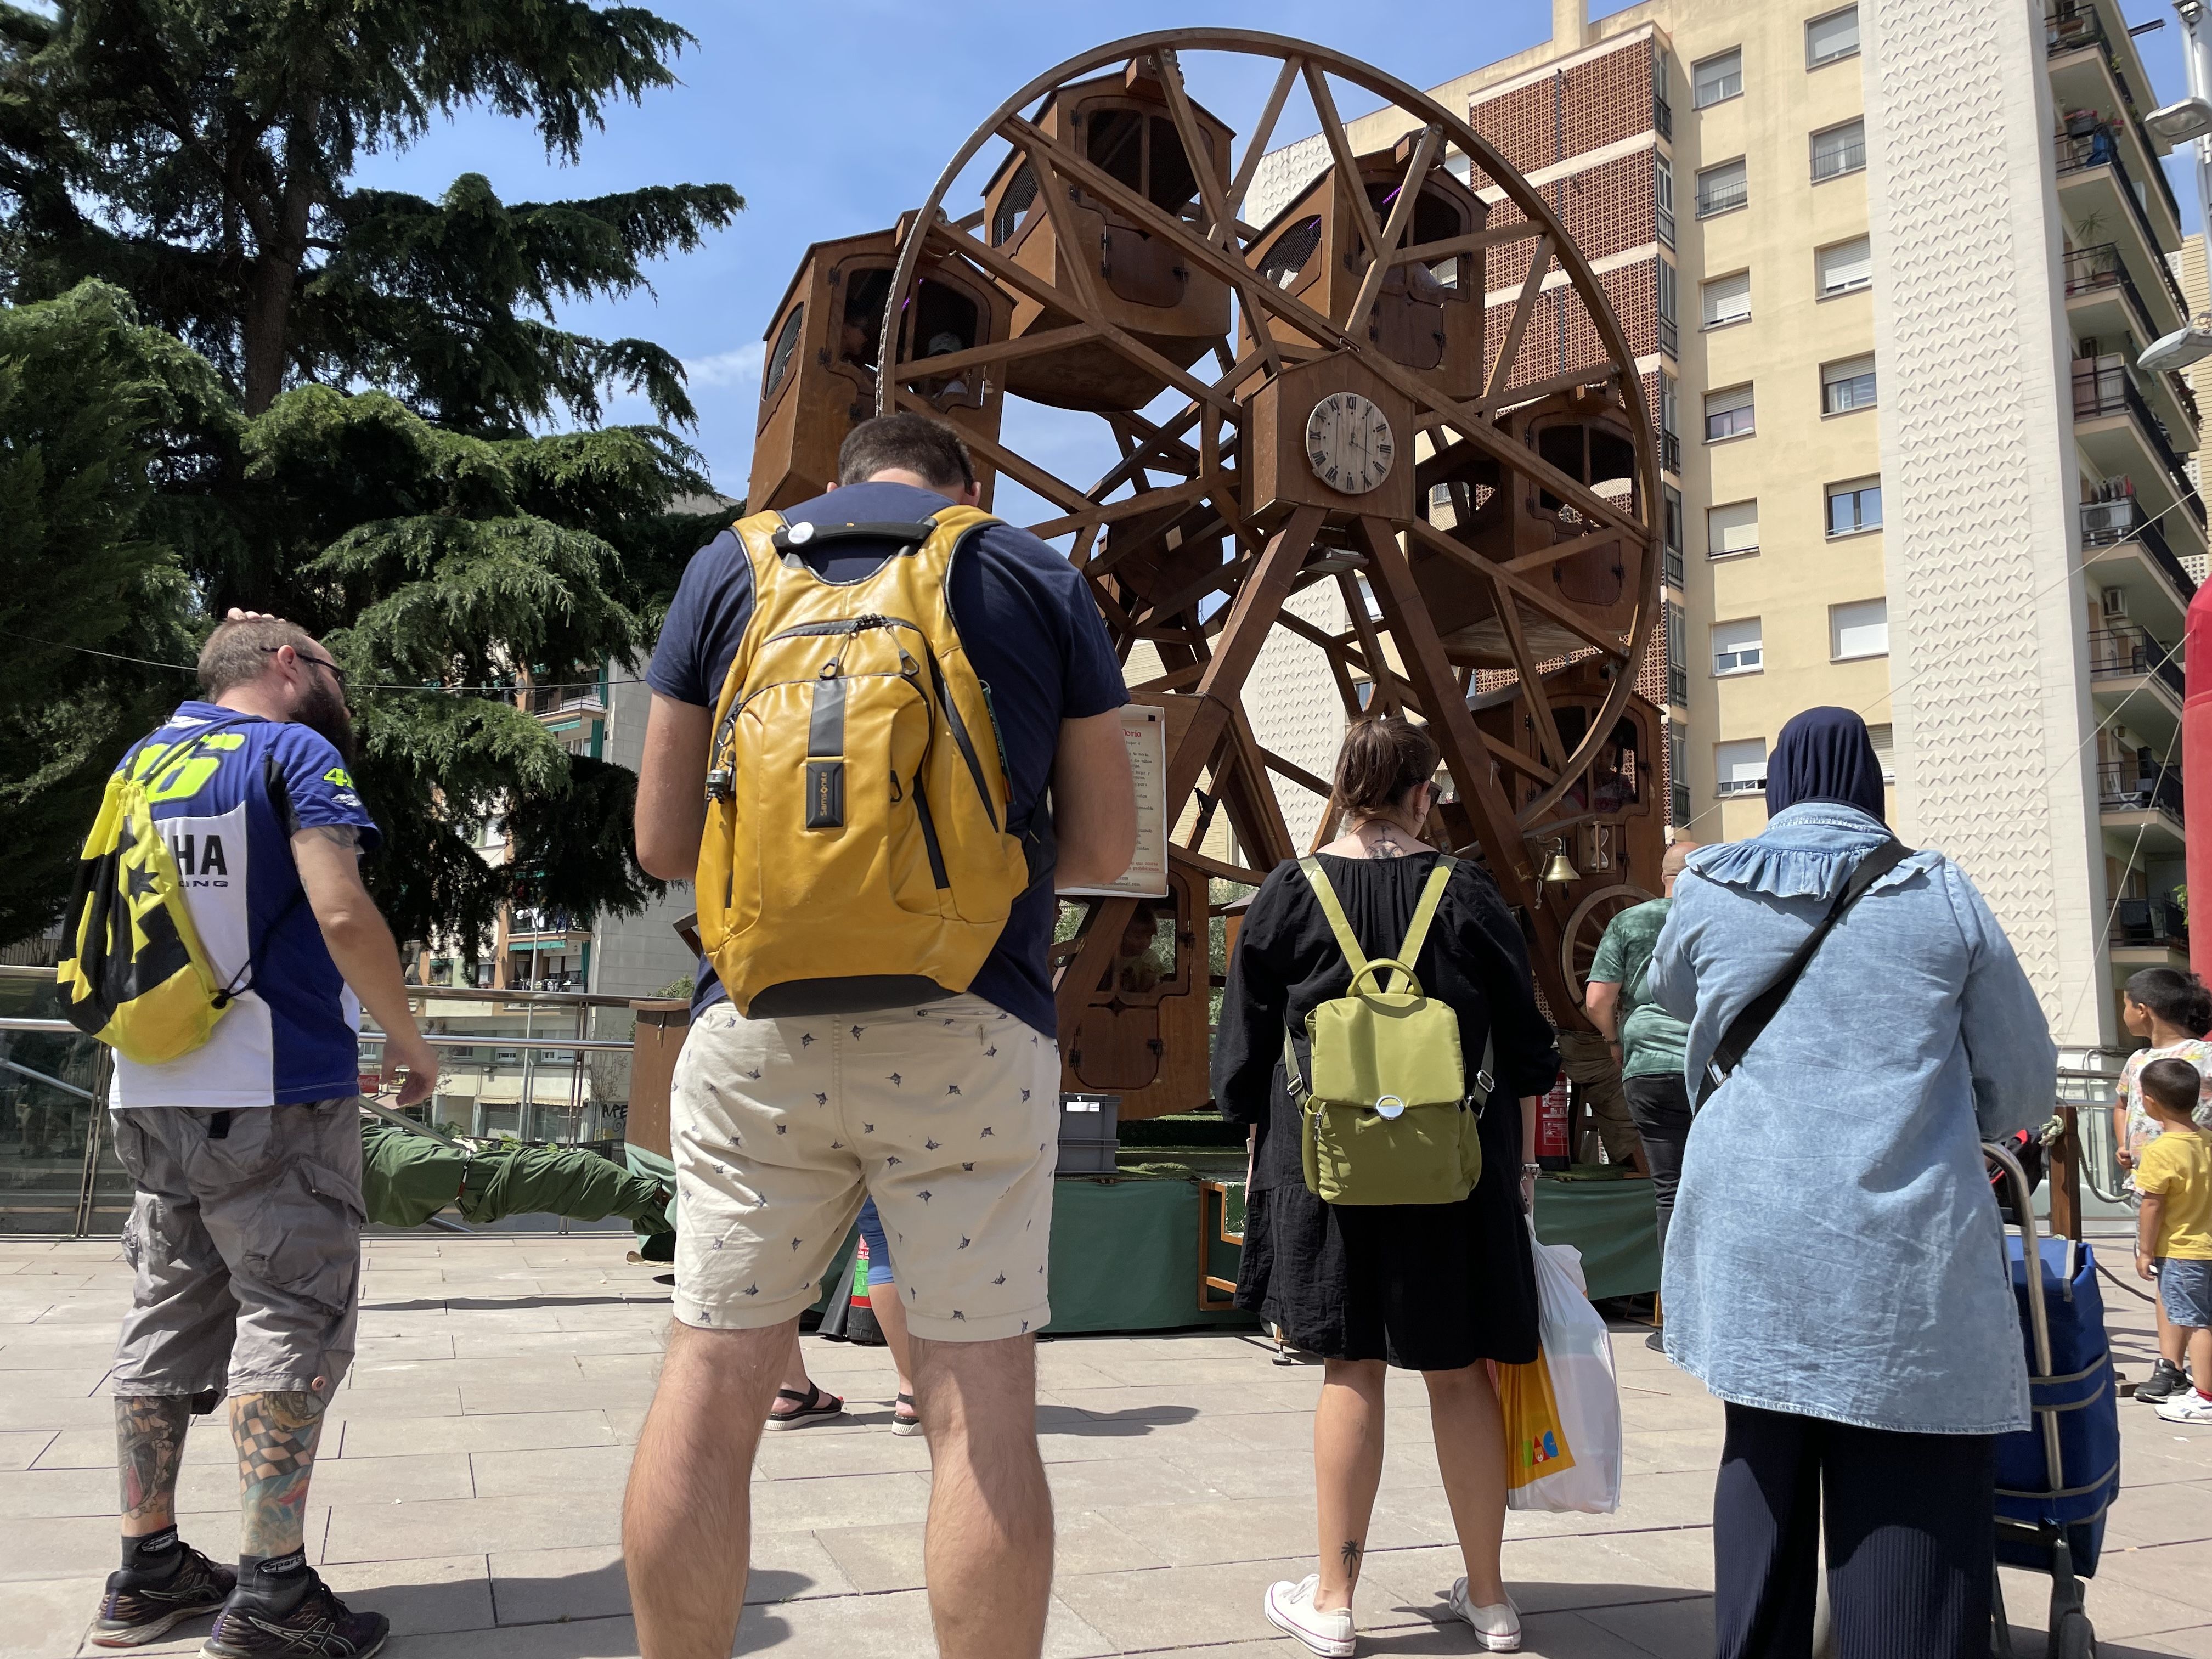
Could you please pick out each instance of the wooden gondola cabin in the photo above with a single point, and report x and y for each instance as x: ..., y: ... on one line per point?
x: 1428, y: 315
x: 821, y: 353
x: 1143, y: 283
x: 1585, y: 435
x: 1612, y: 823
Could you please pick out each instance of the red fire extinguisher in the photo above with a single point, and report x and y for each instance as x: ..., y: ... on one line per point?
x: 1551, y: 1114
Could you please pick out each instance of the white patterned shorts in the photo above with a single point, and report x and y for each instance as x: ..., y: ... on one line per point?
x: 947, y: 1114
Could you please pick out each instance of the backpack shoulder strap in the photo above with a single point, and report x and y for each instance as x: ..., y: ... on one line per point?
x: 1332, y: 909
x: 1756, y: 1014
x: 1417, y: 931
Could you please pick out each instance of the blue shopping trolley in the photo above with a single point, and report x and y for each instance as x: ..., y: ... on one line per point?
x: 2057, y: 1477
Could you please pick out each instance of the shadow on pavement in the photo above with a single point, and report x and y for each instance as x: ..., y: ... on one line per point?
x: 497, y: 1302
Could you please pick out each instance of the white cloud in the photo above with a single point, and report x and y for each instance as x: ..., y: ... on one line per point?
x: 726, y: 369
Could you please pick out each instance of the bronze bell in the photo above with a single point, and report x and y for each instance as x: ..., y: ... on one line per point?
x: 1560, y: 869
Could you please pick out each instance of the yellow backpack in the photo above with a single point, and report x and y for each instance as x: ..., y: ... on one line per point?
x: 135, y: 974
x: 857, y: 852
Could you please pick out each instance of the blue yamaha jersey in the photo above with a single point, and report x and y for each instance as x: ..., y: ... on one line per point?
x: 229, y: 790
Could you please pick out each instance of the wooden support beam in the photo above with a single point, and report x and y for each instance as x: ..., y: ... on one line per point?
x: 1401, y: 214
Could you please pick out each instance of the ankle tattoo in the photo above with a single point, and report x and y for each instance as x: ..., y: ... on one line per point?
x: 1350, y: 1555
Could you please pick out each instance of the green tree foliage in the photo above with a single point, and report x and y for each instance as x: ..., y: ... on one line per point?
x: 370, y: 453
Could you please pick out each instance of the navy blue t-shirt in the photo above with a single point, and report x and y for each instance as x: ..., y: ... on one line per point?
x: 1031, y: 632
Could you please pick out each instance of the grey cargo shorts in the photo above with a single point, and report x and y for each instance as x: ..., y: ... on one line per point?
x: 246, y: 1234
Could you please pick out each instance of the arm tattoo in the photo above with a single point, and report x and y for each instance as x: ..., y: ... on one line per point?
x: 274, y: 1435
x: 149, y: 1444
x: 1350, y: 1554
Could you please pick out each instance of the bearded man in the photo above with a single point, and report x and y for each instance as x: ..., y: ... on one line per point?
x: 245, y: 1152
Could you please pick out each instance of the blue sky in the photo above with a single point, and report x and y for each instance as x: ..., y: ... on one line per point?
x: 832, y: 119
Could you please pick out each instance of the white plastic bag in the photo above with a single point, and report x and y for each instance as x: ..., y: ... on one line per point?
x: 1563, y: 1413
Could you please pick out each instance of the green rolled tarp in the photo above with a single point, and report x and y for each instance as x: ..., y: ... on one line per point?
x: 406, y: 1179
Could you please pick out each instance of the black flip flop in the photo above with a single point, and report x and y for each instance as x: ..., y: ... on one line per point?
x: 814, y: 1406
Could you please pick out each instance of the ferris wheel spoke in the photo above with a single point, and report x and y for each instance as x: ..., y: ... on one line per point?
x: 1506, y: 582
x: 1524, y: 309
x: 1348, y: 163
x: 1450, y: 722
x: 986, y: 356
x: 1255, y: 147
x: 1381, y: 255
x: 1532, y: 680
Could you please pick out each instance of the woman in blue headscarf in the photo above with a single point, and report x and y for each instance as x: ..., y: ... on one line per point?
x: 1835, y: 1271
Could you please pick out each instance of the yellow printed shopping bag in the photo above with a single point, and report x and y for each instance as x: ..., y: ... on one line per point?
x: 1535, y: 1440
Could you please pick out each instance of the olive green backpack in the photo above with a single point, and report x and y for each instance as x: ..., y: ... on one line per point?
x: 1388, y: 1118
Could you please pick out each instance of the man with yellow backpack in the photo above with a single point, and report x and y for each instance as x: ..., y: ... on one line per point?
x: 859, y: 705
x: 221, y: 941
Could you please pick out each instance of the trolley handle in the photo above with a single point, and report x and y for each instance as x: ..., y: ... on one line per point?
x: 2038, y: 1317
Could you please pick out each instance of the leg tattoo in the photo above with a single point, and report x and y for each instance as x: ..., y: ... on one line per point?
x: 150, y: 1444
x: 1350, y: 1554
x: 274, y: 1434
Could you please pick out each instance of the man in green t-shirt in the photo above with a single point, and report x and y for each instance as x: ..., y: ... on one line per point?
x: 1647, y: 1041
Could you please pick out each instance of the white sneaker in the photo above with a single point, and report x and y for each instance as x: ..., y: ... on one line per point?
x: 2190, y: 1406
x: 1290, y: 1607
x: 1497, y: 1627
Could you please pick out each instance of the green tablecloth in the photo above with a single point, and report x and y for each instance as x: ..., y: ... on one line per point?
x: 1124, y: 1252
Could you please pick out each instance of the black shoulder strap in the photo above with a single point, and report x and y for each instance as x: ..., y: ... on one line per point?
x: 1756, y: 1014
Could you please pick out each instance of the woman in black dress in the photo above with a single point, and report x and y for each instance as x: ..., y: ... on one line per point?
x: 1439, y: 1288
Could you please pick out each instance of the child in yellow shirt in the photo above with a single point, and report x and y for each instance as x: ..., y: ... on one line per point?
x: 2173, y: 1238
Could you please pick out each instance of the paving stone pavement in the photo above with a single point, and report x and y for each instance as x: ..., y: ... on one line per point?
x: 471, y: 1475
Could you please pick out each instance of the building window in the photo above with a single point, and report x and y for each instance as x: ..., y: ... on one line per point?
x: 1847, y: 385
x: 1665, y: 185
x: 1728, y: 414
x: 1736, y: 648
x: 1831, y: 38
x: 1860, y: 628
x: 1717, y: 79
x: 1677, y: 656
x: 1666, y: 312
x: 1838, y: 150
x: 1885, y: 748
x: 1724, y: 188
x: 1726, y: 299
x: 1854, y: 507
x: 1732, y: 530
x: 1678, y: 778
x: 1740, y: 766
x: 1845, y: 268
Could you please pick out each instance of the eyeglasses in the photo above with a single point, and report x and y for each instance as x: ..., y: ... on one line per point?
x: 323, y: 662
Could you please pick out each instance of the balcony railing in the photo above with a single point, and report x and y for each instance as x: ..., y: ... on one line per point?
x: 573, y: 694
x: 2103, y: 386
x: 2109, y: 524
x: 1680, y: 802
x: 2151, y: 921
x: 2078, y: 152
x: 541, y: 921
x: 2091, y: 268
x: 2124, y: 651
x: 1677, y: 687
x: 1669, y: 340
x: 1723, y: 198
x: 2124, y: 787
x: 1663, y: 118
x: 1670, y: 452
x: 1836, y: 162
x: 1670, y: 569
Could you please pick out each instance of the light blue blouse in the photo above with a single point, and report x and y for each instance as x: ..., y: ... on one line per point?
x: 1836, y: 1251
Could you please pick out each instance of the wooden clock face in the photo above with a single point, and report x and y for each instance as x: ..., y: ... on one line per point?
x: 1349, y: 443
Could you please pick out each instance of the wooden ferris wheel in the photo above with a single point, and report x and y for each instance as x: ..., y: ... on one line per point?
x: 1405, y: 383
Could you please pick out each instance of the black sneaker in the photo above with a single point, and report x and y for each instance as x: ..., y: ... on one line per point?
x: 139, y: 1608
x: 318, y: 1626
x: 2165, y: 1382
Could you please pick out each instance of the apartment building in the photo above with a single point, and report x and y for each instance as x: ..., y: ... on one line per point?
x: 1910, y: 465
